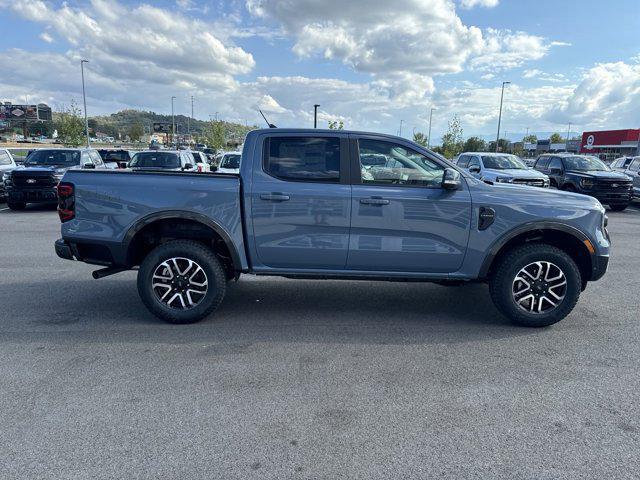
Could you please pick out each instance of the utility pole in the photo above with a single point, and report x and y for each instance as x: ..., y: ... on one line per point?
x: 429, y: 137
x: 500, y: 114
x: 173, y: 122
x: 400, y: 131
x: 84, y: 100
x: 566, y: 143
x: 315, y: 115
x: 189, y: 120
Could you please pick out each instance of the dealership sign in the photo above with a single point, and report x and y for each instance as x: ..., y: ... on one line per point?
x: 590, y: 141
x: 30, y: 113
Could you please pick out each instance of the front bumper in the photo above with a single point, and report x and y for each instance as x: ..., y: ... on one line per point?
x: 608, y: 197
x: 39, y: 195
x: 599, y: 266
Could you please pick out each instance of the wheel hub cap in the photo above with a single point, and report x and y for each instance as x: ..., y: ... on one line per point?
x: 539, y: 287
x: 179, y: 283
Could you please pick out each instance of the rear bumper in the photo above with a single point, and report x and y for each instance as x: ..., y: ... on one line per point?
x: 63, y: 250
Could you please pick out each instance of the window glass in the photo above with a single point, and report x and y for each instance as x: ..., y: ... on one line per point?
x: 627, y: 162
x: 155, y: 160
x: 555, y: 163
x: 474, y: 162
x: 542, y: 163
x: 463, y: 161
x: 309, y: 159
x: 230, y: 160
x: 5, y: 159
x: 60, y: 158
x: 502, y: 162
x: 397, y: 165
x: 635, y: 166
x: 585, y: 164
x: 95, y: 157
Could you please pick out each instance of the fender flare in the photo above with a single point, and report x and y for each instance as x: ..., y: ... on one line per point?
x: 182, y: 215
x: 527, y: 227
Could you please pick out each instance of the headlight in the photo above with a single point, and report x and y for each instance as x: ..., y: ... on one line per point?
x: 6, y: 178
x: 504, y: 179
x: 546, y: 182
x: 587, y: 183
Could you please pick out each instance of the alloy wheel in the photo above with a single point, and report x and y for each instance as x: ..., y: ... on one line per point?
x: 539, y: 287
x: 179, y: 283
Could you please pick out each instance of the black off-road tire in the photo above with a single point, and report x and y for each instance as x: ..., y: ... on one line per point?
x: 501, y: 284
x: 16, y: 205
x: 203, y: 256
x: 618, y: 208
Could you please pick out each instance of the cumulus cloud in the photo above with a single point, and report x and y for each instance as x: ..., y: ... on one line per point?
x: 481, y: 3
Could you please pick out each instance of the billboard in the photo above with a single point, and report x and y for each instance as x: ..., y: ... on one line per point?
x: 31, y: 113
x: 162, y: 127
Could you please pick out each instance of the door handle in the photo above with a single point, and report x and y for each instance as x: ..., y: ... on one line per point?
x: 274, y: 197
x: 374, y: 201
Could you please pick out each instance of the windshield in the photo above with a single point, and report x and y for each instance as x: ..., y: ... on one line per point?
x: 53, y: 158
x: 230, y: 161
x: 155, y: 160
x: 585, y: 164
x: 502, y: 162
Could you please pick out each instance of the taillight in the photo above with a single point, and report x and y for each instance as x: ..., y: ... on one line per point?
x: 66, y: 201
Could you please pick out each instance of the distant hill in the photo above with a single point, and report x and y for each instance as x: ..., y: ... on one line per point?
x: 120, y: 122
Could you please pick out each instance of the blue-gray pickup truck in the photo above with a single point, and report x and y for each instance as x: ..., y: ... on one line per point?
x: 328, y: 204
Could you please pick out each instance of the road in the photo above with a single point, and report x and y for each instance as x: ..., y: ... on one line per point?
x: 305, y: 379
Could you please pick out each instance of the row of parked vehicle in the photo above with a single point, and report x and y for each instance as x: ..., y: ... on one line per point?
x: 33, y: 178
x: 616, y: 185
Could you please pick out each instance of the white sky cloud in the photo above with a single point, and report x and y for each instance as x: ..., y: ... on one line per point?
x: 480, y: 3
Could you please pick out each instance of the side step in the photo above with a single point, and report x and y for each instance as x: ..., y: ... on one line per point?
x: 105, y: 272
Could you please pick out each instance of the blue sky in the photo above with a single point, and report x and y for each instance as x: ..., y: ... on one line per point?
x: 369, y: 63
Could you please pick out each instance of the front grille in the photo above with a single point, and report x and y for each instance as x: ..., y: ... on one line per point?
x: 533, y: 182
x: 613, y: 185
x: 33, y: 181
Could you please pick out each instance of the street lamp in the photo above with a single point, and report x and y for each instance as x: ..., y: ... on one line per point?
x: 84, y: 100
x: 566, y: 143
x: 429, y: 137
x: 500, y: 114
x: 315, y: 115
x: 400, y: 131
x: 173, y: 122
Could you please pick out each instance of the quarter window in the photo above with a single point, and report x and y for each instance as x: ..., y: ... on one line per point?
x: 310, y: 159
x: 5, y: 159
x: 397, y: 165
x: 635, y: 166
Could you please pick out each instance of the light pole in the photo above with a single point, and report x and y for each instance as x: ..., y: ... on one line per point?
x: 189, y: 121
x: 429, y: 137
x: 84, y: 100
x: 400, y: 131
x: 173, y: 122
x: 315, y: 115
x: 500, y: 114
x: 566, y: 143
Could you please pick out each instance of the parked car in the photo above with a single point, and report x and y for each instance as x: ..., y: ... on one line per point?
x: 36, y: 180
x: 201, y: 161
x: 302, y: 208
x: 621, y: 164
x: 7, y: 164
x: 116, y: 158
x: 229, y: 162
x: 165, y: 160
x: 587, y: 175
x: 633, y: 172
x: 501, y: 168
x: 19, y: 154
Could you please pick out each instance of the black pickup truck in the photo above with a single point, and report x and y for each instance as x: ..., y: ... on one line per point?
x: 37, y: 179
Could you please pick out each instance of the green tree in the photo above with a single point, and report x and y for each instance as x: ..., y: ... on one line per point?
x: 452, y: 140
x: 474, y: 144
x: 336, y: 125
x: 70, y: 126
x: 136, y: 131
x: 556, y: 138
x: 531, y: 138
x: 503, y: 145
x: 420, y: 138
x: 214, y: 135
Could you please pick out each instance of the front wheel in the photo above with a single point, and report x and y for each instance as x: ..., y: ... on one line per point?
x: 181, y: 281
x: 536, y: 285
x: 16, y: 205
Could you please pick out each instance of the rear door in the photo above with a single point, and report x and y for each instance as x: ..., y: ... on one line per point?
x: 301, y: 201
x: 402, y: 218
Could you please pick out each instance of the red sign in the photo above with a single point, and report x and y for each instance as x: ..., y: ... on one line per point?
x: 593, y: 141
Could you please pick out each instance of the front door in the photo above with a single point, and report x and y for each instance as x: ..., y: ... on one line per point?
x: 301, y: 202
x: 402, y: 218
x: 634, y: 172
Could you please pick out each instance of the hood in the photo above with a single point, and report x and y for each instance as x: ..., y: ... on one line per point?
x: 536, y: 195
x: 609, y: 175
x: 515, y: 173
x: 44, y: 170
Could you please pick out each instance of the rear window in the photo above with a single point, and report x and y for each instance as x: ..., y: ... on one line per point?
x: 116, y: 156
x: 310, y: 159
x: 155, y: 160
x: 230, y: 161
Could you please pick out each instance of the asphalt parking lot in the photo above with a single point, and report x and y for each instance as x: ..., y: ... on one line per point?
x: 304, y: 379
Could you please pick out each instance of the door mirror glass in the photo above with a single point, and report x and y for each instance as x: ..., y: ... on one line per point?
x: 451, y: 179
x: 474, y: 169
x: 188, y: 166
x: 88, y: 165
x: 556, y: 171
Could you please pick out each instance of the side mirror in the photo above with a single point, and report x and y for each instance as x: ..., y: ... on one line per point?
x: 556, y: 171
x: 88, y: 165
x: 187, y: 166
x: 214, y: 168
x: 451, y: 179
x: 474, y: 169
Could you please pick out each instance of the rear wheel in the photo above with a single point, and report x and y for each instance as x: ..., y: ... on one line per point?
x: 16, y: 205
x: 181, y: 281
x: 536, y: 285
x: 619, y: 208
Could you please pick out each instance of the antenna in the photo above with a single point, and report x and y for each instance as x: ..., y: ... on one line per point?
x: 271, y: 125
